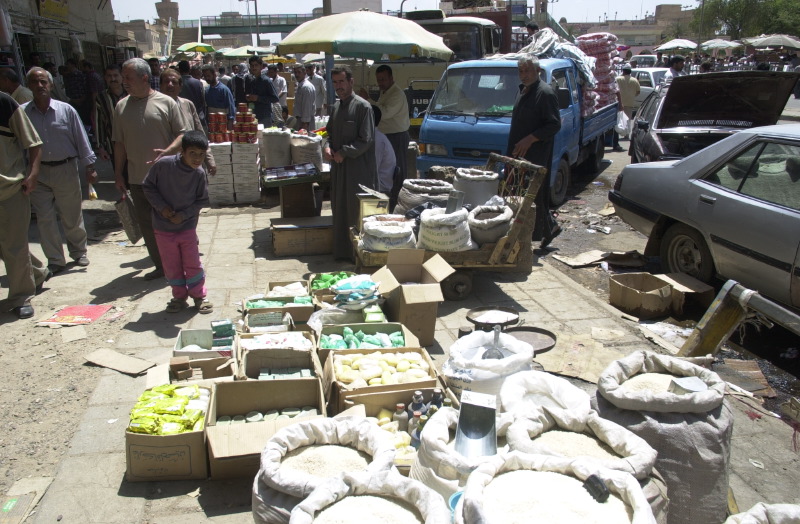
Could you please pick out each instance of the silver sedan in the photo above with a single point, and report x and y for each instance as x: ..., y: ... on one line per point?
x: 730, y: 210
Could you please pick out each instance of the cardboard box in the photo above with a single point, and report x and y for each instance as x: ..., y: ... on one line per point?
x: 298, y: 200
x: 302, y: 236
x: 200, y: 337
x: 687, y: 289
x: 234, y: 451
x: 338, y: 394
x: 256, y: 359
x: 369, y: 328
x: 324, y: 291
x: 299, y: 312
x: 250, y: 168
x: 167, y: 457
x: 241, y: 350
x: 374, y: 402
x: 415, y: 302
x: 241, y: 150
x: 223, y: 170
x: 371, y: 204
x: 640, y: 294
x: 220, y: 149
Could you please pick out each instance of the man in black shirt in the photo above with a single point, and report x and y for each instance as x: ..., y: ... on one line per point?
x: 534, y: 123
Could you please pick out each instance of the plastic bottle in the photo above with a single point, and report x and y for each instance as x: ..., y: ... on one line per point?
x: 401, y: 417
x: 413, y: 429
x: 447, y: 403
x: 417, y: 404
x: 437, y: 399
x: 416, y: 112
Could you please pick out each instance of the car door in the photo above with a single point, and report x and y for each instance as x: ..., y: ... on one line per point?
x: 567, y: 137
x: 748, y: 208
x: 646, y: 85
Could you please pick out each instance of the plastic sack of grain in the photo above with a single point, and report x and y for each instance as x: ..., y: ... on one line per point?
x: 381, y: 236
x: 488, y: 224
x: 691, y: 432
x: 444, y: 232
x: 386, y: 497
x: 576, y: 434
x: 275, y: 147
x: 518, y: 487
x: 270, y: 506
x: 437, y: 464
x: 358, y: 434
x: 478, y: 185
x: 418, y: 191
x: 767, y: 514
x: 527, y: 391
x: 307, y: 149
x: 465, y: 370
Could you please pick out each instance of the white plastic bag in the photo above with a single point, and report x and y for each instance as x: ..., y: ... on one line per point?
x: 767, y: 514
x: 527, y: 391
x: 444, y: 232
x: 389, y: 484
x: 622, y: 123
x: 465, y: 370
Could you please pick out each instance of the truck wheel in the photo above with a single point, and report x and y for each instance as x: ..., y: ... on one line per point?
x: 558, y: 192
x: 457, y: 286
x: 683, y: 250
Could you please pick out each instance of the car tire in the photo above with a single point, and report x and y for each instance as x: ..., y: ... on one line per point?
x: 683, y: 250
x: 558, y: 191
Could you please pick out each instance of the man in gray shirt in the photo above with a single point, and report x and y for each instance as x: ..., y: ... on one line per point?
x: 58, y: 192
x: 304, y: 99
x: 319, y: 89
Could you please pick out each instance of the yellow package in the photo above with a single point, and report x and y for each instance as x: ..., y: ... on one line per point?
x: 188, y: 391
x: 143, y: 413
x: 151, y: 395
x: 191, y: 416
x: 199, y: 425
x: 145, y: 425
x: 166, y: 389
x: 171, y: 428
x: 171, y: 406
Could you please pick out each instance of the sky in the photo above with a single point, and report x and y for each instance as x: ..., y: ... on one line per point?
x: 572, y: 10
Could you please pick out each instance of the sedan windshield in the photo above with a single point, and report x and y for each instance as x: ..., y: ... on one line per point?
x: 482, y: 91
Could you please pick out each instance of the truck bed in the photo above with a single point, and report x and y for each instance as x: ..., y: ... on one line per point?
x: 597, y: 124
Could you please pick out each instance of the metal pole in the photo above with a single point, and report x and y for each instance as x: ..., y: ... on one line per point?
x: 258, y: 32
x: 401, y: 8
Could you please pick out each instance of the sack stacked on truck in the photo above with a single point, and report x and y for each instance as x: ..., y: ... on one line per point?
x: 277, y: 490
x: 603, y: 47
x: 520, y: 487
x: 369, y: 498
x: 380, y: 233
x: 437, y: 464
x: 466, y: 370
x: 444, y: 232
x: 488, y: 224
x: 691, y: 432
x: 275, y: 147
x: 419, y: 191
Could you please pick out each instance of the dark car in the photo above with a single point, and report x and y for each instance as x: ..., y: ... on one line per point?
x: 731, y: 210
x: 692, y: 112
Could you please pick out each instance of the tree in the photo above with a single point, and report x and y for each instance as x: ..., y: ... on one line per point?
x: 735, y: 18
x: 784, y: 17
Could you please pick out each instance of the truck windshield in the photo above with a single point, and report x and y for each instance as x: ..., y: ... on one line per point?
x: 482, y: 91
x: 463, y: 39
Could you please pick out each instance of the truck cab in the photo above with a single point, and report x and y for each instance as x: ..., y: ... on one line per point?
x: 469, y: 117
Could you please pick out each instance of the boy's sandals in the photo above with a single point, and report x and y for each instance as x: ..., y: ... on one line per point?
x: 203, y: 305
x: 175, y: 305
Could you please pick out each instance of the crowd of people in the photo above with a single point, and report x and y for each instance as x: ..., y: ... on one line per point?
x: 150, y: 121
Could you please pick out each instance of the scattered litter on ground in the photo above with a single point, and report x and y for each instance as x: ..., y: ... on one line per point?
x: 596, y: 256
x: 77, y: 315
x: 73, y: 333
x: 608, y: 210
x: 108, y: 358
x: 757, y: 463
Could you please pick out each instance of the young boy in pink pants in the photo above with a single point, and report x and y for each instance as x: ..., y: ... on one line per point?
x: 177, y: 189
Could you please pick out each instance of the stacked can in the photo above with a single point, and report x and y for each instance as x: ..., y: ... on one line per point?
x: 245, y: 125
x: 218, y: 128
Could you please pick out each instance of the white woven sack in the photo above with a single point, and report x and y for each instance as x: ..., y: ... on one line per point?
x: 275, y: 147
x: 418, y: 191
x: 488, y: 224
x: 382, y: 236
x: 444, y: 232
x: 271, y: 506
x: 470, y: 507
x: 307, y: 149
x: 390, y: 484
x: 636, y: 455
x: 465, y: 370
x: 691, y: 432
x: 441, y: 467
x: 528, y: 391
x: 359, y: 434
x: 478, y: 185
x: 768, y: 514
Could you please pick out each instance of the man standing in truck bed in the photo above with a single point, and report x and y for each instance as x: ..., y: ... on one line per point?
x: 534, y: 123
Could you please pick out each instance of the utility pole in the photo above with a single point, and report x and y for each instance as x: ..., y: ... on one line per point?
x: 327, y: 8
x: 258, y: 32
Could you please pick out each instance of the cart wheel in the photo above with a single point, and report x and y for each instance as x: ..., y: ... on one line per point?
x: 457, y: 286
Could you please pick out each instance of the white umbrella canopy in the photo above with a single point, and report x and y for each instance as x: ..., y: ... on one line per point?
x: 362, y: 34
x: 773, y: 41
x: 718, y: 43
x: 678, y: 43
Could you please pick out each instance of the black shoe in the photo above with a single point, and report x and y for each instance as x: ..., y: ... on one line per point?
x: 549, y: 238
x: 156, y: 273
x: 618, y: 149
x: 23, y: 311
x: 83, y: 261
x: 55, y: 269
x: 47, y: 276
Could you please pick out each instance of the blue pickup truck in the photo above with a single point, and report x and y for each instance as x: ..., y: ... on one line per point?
x: 469, y: 117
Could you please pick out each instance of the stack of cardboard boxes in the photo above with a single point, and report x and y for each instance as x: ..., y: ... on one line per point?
x: 245, y: 172
x: 220, y: 186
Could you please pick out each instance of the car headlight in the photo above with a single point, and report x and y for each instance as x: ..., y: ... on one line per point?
x: 433, y: 149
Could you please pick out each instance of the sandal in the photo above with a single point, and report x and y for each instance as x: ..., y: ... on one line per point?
x: 175, y: 305
x: 203, y: 305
